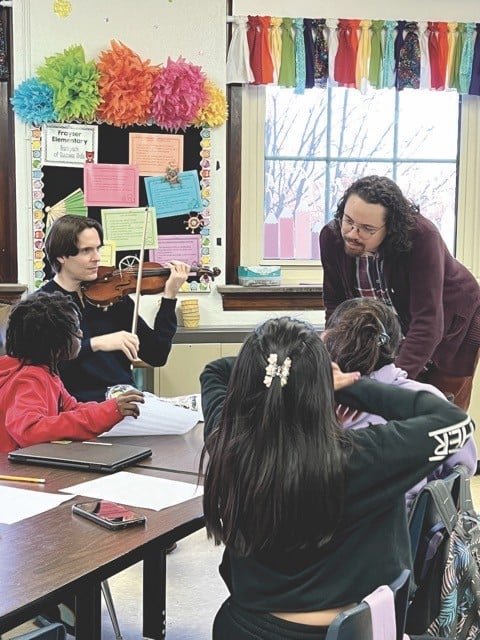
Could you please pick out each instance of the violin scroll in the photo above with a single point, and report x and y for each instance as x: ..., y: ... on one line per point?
x: 205, y: 271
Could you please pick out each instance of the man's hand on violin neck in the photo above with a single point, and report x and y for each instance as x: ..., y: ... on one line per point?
x: 118, y: 341
x: 178, y: 276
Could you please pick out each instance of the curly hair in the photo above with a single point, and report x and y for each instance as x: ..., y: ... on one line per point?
x: 42, y: 328
x: 401, y: 212
x: 362, y: 334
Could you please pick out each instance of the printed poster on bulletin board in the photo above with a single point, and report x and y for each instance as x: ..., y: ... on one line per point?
x: 69, y: 145
x: 55, y: 183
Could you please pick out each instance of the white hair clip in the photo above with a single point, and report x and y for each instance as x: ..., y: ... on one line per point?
x: 273, y: 370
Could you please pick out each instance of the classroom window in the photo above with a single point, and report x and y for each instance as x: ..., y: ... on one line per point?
x: 317, y: 143
x: 311, y: 146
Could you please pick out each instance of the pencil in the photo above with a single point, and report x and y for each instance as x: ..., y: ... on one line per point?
x: 23, y: 479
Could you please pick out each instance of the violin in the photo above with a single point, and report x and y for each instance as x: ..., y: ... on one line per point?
x: 113, y: 283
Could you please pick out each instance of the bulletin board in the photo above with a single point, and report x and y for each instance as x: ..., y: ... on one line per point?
x: 51, y: 184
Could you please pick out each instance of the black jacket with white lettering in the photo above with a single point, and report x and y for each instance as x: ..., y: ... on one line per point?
x: 371, y: 546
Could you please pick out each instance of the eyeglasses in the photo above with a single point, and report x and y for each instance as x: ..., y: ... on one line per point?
x: 364, y: 230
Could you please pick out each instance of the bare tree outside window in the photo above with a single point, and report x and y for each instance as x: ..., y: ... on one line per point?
x: 318, y: 142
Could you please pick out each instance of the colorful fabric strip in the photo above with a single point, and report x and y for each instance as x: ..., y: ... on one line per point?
x: 275, y: 42
x: 305, y: 52
x: 320, y: 54
x: 286, y: 77
x: 474, y: 89
x: 408, y: 70
x: 375, y: 76
x: 309, y: 52
x: 467, y: 57
x: 300, y: 67
x: 238, y: 57
x: 389, y: 57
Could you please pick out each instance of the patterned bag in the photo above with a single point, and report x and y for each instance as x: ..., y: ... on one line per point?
x: 449, y: 586
x: 459, y: 615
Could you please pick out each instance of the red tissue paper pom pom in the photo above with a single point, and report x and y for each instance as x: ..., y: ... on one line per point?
x: 179, y: 93
x: 125, y: 86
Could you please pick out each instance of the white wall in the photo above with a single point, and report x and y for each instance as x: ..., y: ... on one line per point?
x: 445, y: 10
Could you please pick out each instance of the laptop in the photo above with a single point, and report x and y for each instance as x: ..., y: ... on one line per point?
x: 91, y: 455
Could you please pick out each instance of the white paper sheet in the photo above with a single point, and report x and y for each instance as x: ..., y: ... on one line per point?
x: 19, y: 504
x: 157, y: 417
x: 137, y: 490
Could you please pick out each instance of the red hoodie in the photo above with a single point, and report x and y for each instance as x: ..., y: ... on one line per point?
x: 35, y: 407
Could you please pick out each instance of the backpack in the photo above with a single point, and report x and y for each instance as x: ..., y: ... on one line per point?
x: 446, y: 602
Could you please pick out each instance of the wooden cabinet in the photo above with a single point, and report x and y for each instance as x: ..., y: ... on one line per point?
x: 180, y: 376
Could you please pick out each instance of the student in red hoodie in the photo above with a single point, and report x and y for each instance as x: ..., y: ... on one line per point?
x: 35, y: 407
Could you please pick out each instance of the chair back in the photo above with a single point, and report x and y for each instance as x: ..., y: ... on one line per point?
x: 424, y: 516
x: 358, y: 623
x: 53, y: 631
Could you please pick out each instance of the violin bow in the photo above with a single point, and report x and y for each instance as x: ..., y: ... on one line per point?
x: 139, y: 276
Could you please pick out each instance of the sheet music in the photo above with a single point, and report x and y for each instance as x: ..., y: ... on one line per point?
x: 161, y: 416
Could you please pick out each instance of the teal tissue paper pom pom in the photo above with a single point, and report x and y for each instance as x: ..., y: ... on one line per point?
x: 33, y: 102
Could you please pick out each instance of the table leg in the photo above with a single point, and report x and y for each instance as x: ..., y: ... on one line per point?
x: 88, y: 615
x: 154, y: 595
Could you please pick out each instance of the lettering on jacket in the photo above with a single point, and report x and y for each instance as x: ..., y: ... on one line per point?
x: 450, y: 439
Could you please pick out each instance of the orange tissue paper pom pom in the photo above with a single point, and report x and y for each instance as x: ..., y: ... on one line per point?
x: 125, y: 86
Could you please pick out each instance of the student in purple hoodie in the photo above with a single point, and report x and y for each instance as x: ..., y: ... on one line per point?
x: 363, y: 334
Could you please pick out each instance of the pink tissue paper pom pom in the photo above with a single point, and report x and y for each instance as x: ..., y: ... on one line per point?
x: 179, y: 93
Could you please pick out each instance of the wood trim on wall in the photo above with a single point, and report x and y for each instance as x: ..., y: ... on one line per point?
x: 8, y: 218
x: 274, y: 298
x: 234, y: 172
x: 234, y: 183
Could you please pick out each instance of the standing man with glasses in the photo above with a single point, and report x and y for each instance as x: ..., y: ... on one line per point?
x: 379, y: 245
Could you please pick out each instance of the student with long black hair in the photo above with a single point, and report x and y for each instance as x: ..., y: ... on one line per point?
x: 312, y: 516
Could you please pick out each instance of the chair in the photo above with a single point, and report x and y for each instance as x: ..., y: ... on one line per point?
x: 424, y: 516
x: 356, y: 623
x: 107, y: 595
x: 53, y: 631
x: 64, y: 613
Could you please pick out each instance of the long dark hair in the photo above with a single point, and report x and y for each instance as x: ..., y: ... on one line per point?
x: 63, y: 236
x: 400, y: 212
x: 41, y: 329
x: 362, y: 334
x: 275, y: 477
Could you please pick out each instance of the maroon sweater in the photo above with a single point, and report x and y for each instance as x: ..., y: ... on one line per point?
x: 437, y: 299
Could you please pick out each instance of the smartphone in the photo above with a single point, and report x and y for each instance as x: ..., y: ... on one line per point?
x: 108, y: 514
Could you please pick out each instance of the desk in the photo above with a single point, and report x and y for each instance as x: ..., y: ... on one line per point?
x: 178, y: 454
x: 56, y: 554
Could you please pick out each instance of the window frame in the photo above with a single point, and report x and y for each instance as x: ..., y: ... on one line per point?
x: 246, y: 135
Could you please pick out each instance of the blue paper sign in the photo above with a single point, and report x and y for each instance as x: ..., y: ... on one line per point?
x: 174, y: 199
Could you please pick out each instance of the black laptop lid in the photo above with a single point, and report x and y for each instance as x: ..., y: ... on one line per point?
x: 90, y: 455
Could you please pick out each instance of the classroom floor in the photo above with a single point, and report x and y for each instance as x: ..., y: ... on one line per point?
x: 194, y: 591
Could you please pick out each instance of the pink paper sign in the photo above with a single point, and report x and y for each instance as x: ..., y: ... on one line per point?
x: 181, y: 247
x: 114, y: 185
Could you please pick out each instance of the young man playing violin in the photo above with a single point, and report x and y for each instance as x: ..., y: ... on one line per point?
x: 108, y: 344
